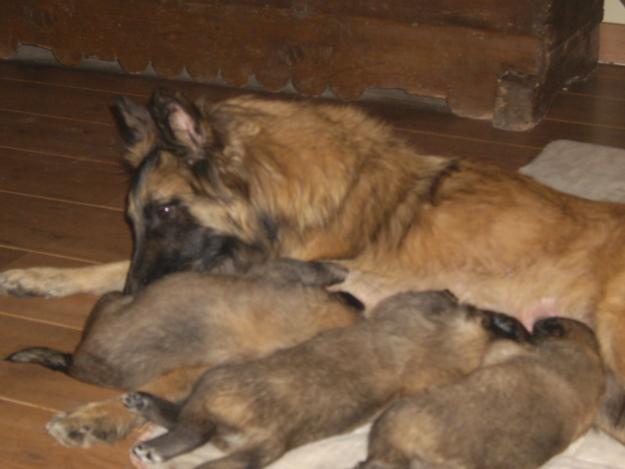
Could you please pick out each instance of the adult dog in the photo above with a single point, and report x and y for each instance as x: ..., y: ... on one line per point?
x: 321, y: 181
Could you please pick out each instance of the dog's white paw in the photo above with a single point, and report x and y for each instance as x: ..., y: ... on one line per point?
x: 36, y: 281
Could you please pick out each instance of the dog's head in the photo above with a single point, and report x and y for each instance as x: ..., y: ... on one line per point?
x: 189, y: 202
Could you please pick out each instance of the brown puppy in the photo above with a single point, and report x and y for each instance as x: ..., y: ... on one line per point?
x: 328, y: 384
x: 525, y: 406
x: 162, y: 338
x: 321, y: 181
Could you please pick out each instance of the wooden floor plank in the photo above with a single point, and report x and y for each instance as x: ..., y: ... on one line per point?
x: 19, y: 333
x: 63, y: 178
x: 8, y: 257
x: 589, y: 110
x: 606, y: 81
x: 507, y: 156
x: 87, y: 105
x: 70, y: 138
x: 46, y: 389
x: 73, y: 231
x: 34, y: 384
x: 26, y: 445
x: 545, y: 132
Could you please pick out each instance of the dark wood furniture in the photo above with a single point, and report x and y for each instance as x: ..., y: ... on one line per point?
x: 488, y: 59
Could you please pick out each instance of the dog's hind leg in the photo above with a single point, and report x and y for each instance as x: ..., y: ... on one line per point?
x: 110, y: 420
x: 152, y: 408
x: 57, y: 282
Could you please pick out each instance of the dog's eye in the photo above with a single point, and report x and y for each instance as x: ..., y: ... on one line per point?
x: 165, y: 211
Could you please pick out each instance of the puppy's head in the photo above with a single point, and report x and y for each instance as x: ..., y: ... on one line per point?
x: 501, y: 325
x: 563, y: 329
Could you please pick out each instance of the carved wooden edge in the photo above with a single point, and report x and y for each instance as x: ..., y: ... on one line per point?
x: 464, y: 66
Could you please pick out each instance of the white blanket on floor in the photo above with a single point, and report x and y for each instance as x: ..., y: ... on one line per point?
x: 581, y: 169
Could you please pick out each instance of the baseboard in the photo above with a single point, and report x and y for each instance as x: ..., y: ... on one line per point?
x: 612, y: 43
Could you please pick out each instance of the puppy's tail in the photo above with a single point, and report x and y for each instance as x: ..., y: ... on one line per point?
x: 50, y: 358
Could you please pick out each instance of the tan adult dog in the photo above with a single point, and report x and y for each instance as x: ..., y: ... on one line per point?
x: 322, y: 181
x: 527, y: 404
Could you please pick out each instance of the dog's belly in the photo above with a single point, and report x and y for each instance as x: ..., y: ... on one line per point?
x: 527, y: 300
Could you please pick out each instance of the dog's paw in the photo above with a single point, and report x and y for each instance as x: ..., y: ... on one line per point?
x: 36, y: 281
x: 99, y: 422
x: 146, y: 453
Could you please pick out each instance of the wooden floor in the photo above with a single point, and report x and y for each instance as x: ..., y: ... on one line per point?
x: 62, y: 193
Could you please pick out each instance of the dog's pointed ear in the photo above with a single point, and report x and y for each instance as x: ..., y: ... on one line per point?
x: 136, y: 127
x: 181, y: 124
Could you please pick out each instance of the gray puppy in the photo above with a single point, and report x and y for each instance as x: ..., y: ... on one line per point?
x: 327, y: 385
x: 525, y: 406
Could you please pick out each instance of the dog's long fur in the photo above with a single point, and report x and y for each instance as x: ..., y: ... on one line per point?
x: 329, y: 384
x: 250, y: 177
x: 527, y: 404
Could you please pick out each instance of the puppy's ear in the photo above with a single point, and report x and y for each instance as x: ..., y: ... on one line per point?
x: 286, y: 270
x: 136, y: 128
x: 180, y: 123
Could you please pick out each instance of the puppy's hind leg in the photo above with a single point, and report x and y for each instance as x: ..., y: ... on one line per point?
x: 610, y: 330
x: 50, y: 358
x: 110, y: 420
x: 159, y: 411
x: 611, y: 416
x: 251, y: 458
x: 184, y: 437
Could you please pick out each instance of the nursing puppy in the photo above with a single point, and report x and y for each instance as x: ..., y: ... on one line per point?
x: 327, y: 385
x: 527, y: 405
x: 165, y: 336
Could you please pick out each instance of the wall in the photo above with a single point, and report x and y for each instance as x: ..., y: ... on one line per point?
x: 614, y: 11
x: 612, y: 33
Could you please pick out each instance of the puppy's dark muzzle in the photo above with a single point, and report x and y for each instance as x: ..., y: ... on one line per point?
x: 506, y: 327
x: 548, y: 327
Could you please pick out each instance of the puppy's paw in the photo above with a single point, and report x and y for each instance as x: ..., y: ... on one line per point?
x: 137, y: 401
x: 99, y: 422
x: 146, y: 453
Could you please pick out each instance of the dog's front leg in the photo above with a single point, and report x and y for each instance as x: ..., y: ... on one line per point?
x: 110, y: 420
x: 64, y: 281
